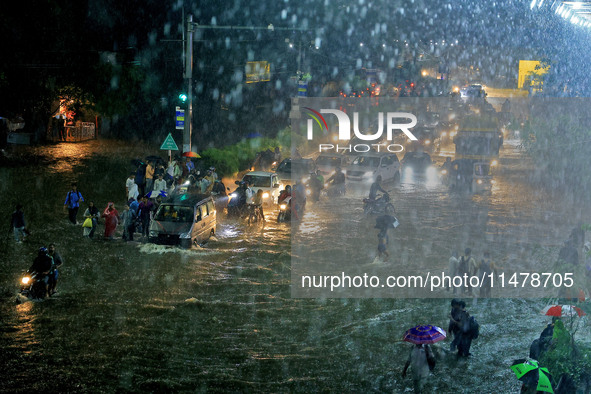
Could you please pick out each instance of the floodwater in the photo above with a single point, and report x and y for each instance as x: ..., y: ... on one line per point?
x: 135, y: 317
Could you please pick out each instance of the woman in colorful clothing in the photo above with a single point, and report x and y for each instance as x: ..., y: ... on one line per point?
x: 111, y: 220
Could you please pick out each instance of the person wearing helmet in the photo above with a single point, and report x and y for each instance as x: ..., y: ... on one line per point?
x: 43, y: 264
x: 375, y: 188
x: 316, y: 185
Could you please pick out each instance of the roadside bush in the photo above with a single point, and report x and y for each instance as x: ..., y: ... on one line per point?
x: 233, y: 158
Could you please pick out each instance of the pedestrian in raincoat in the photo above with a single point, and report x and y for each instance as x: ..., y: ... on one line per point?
x: 112, y: 219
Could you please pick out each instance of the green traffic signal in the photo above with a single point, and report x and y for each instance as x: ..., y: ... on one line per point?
x: 183, y: 97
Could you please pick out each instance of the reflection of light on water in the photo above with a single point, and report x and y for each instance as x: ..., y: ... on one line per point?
x: 228, y: 231
x: 24, y: 308
x: 26, y: 333
x: 432, y: 178
x: 310, y: 223
x: 68, y: 156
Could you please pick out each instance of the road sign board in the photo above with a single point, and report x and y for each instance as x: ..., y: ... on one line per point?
x: 302, y: 88
x: 180, y: 118
x: 169, y: 143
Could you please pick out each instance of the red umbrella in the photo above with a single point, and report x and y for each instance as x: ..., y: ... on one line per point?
x: 563, y: 311
x: 191, y: 154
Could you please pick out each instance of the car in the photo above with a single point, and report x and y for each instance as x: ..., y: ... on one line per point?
x: 290, y: 170
x: 327, y: 163
x: 185, y: 220
x: 417, y: 164
x: 473, y: 91
x: 367, y: 166
x: 267, y: 181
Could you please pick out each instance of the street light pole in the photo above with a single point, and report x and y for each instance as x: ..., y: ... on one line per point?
x: 189, y: 77
x: 188, y: 74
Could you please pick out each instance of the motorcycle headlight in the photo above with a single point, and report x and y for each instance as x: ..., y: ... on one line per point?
x: 492, y: 181
x: 494, y: 163
x: 479, y: 181
x: 185, y: 235
x: 26, y: 280
x: 265, y: 195
x: 444, y: 172
x: 308, y: 192
x: 153, y: 233
x: 233, y: 195
x: 427, y: 142
x: 282, y: 206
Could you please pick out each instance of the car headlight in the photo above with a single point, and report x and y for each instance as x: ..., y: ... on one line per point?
x: 282, y: 206
x: 153, y: 233
x: 185, y: 235
x: 26, y: 280
x: 265, y: 195
x: 443, y: 134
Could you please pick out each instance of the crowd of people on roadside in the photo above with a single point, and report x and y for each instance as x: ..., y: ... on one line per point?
x: 145, y: 189
x: 466, y: 264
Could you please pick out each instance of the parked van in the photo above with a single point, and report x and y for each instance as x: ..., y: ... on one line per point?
x: 185, y: 220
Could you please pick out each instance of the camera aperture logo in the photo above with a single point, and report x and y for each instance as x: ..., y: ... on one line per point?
x: 393, y: 124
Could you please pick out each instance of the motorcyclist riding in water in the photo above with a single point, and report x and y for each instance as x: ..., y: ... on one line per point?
x: 316, y: 185
x: 375, y: 188
x: 43, y: 265
x: 337, y: 181
x: 284, y: 194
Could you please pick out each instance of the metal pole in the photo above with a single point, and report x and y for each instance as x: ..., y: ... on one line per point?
x: 189, y: 77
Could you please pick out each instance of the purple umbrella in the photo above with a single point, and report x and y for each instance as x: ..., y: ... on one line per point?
x: 424, y: 334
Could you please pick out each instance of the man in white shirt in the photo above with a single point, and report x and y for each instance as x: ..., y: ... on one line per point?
x: 249, y: 193
x: 160, y: 184
x: 129, y: 183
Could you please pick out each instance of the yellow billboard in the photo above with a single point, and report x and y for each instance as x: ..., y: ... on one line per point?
x: 258, y: 72
x: 528, y: 67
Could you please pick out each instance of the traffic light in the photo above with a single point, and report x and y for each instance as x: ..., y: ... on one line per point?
x: 183, y: 97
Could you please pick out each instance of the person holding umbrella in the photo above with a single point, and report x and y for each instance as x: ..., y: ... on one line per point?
x: 421, y: 357
x: 418, y: 358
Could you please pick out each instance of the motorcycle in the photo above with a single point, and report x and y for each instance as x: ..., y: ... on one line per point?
x: 253, y: 214
x: 380, y: 205
x: 33, y: 286
x: 284, y: 211
x: 333, y: 190
x: 444, y: 176
x: 236, y: 206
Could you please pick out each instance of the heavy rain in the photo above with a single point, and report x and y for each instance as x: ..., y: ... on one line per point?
x: 314, y: 196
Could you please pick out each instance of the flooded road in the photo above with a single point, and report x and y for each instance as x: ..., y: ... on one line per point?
x: 135, y: 317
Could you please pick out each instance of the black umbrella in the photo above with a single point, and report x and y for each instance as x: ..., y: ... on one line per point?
x: 156, y: 159
x: 136, y: 162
